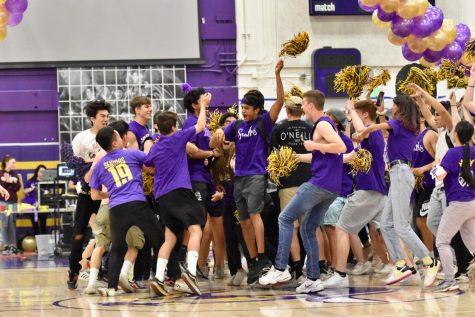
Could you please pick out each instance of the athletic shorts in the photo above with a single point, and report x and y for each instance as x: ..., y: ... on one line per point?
x: 285, y: 196
x: 102, y: 231
x: 421, y: 201
x: 84, y: 209
x: 203, y: 193
x: 361, y: 208
x: 249, y: 194
x: 180, y: 209
x: 334, y: 211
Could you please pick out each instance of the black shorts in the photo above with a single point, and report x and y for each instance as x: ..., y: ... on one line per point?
x: 202, y: 193
x: 421, y: 201
x: 180, y: 209
x: 216, y: 209
x: 84, y: 209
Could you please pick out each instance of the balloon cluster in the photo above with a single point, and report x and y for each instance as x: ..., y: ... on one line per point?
x: 421, y: 29
x: 11, y: 14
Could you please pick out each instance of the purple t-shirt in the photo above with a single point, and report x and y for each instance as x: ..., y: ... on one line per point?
x: 401, y: 141
x: 197, y: 168
x: 140, y: 132
x: 251, y: 148
x: 374, y: 179
x: 120, y: 171
x: 168, y: 156
x: 421, y: 157
x: 327, y: 169
x: 456, y: 189
x: 346, y: 178
x: 32, y: 196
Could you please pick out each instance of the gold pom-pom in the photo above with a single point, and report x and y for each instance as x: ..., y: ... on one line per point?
x: 352, y: 80
x: 281, y: 163
x: 233, y: 109
x: 454, y: 73
x: 418, y: 185
x: 379, y: 80
x: 362, y: 162
x: 147, y: 183
x: 295, y: 46
x: 424, y: 78
x: 213, y: 123
x: 294, y: 91
x: 470, y: 49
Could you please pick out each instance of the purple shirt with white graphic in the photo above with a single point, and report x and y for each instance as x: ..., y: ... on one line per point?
x: 327, y: 169
x: 251, y: 148
x: 421, y: 157
x: 169, y: 158
x: 401, y: 141
x: 456, y: 189
x: 197, y: 168
x: 120, y: 171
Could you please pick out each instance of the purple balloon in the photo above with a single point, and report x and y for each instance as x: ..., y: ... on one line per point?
x: 367, y: 8
x: 432, y: 56
x: 385, y: 16
x: 463, y: 34
x: 16, y: 6
x: 402, y: 27
x: 15, y: 19
x: 453, y: 51
x: 410, y: 55
x: 423, y: 26
x: 437, y: 17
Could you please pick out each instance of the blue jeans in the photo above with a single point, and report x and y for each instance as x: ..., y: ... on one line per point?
x: 395, y: 223
x: 8, y: 224
x: 313, y: 202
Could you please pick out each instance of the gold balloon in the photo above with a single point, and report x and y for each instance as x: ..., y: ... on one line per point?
x: 422, y: 6
x: 437, y: 40
x: 3, y: 32
x: 370, y: 3
x: 425, y: 63
x: 389, y: 5
x: 28, y: 244
x: 380, y: 24
x: 4, y: 14
x: 408, y: 9
x: 450, y: 29
x: 396, y: 40
x: 416, y: 45
x: 467, y: 60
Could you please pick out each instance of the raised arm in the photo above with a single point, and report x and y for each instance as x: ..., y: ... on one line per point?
x: 424, y: 109
x: 468, y: 98
x: 204, y: 103
x: 357, y: 123
x: 277, y: 106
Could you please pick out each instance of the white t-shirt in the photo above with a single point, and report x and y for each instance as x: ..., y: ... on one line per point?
x: 440, y: 149
x: 85, y: 145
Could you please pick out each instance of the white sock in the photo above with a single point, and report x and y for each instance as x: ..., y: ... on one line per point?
x: 126, y: 266
x: 161, y: 266
x: 192, y: 260
x: 92, y: 276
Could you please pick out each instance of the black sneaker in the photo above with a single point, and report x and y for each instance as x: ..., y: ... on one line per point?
x: 72, y: 280
x: 257, y: 270
x: 190, y: 280
x: 325, y: 268
x: 158, y: 287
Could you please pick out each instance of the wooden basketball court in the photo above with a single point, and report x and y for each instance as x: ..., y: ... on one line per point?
x: 38, y: 288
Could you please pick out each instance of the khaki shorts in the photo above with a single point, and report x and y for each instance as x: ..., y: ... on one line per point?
x: 102, y: 232
x: 285, y: 196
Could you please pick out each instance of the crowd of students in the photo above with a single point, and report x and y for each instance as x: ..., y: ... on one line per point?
x: 214, y: 187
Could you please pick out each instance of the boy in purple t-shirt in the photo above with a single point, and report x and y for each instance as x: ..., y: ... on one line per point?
x: 120, y: 171
x: 313, y: 197
x: 141, y: 107
x: 179, y: 208
x: 250, y: 180
x: 457, y: 170
x: 403, y: 130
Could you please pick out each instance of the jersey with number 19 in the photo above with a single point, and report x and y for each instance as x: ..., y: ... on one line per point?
x: 120, y: 171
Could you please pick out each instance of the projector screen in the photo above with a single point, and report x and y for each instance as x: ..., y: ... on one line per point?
x: 104, y: 32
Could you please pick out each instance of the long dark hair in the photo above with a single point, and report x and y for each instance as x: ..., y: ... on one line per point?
x: 464, y: 132
x: 408, y: 112
x: 37, y: 170
x: 221, y: 168
x: 5, y: 160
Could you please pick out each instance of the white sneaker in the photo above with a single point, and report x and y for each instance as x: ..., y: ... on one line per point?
x: 180, y: 286
x: 336, y: 281
x: 462, y: 279
x: 108, y: 292
x: 431, y: 273
x: 90, y: 290
x: 413, y: 280
x: 125, y: 284
x: 84, y: 275
x: 310, y: 286
x: 274, y: 276
x: 239, y: 277
x: 386, y: 269
x: 362, y: 268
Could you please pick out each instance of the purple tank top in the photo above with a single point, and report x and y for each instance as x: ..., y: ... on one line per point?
x: 141, y: 132
x: 421, y: 157
x: 327, y: 169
